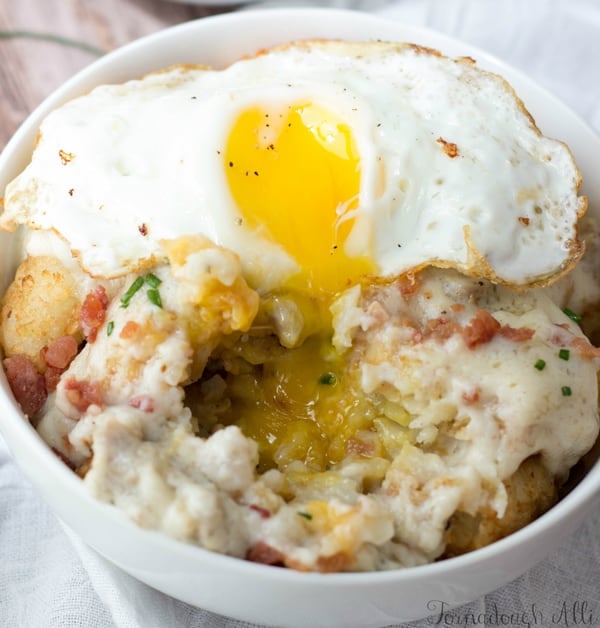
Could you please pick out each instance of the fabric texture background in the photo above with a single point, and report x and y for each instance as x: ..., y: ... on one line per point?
x: 48, y: 578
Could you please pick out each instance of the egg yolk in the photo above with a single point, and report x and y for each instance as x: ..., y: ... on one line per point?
x: 298, y: 405
x: 296, y: 175
x: 295, y: 178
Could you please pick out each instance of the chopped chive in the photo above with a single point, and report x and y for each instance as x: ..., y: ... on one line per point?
x: 135, y: 286
x: 574, y: 317
x: 328, y: 379
x: 566, y: 391
x: 153, y: 280
x: 306, y: 515
x: 540, y: 365
x: 110, y: 327
x: 564, y: 354
x: 154, y: 297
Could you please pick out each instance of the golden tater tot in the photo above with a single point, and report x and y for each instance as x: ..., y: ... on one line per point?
x: 531, y: 490
x: 41, y: 305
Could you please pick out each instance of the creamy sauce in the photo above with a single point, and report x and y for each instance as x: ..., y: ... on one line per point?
x: 444, y: 424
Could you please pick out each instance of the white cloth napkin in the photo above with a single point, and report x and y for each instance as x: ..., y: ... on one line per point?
x: 48, y: 578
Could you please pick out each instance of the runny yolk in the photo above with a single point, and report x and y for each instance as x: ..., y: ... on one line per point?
x: 295, y: 179
x: 296, y: 175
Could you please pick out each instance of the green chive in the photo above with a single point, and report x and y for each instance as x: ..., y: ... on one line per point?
x: 110, y: 327
x: 306, y: 515
x: 154, y: 297
x: 135, y: 286
x: 540, y: 365
x: 153, y: 280
x: 328, y: 379
x: 566, y: 391
x: 574, y: 317
x: 564, y: 354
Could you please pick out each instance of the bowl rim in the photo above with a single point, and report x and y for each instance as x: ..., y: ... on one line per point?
x: 584, y: 495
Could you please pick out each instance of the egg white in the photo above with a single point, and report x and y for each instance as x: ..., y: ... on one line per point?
x: 454, y: 171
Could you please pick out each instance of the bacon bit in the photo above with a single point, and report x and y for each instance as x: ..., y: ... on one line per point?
x: 27, y: 385
x: 63, y: 458
x: 516, y: 334
x: 52, y: 377
x: 71, y: 192
x: 263, y: 512
x: 83, y: 394
x: 481, y: 329
x: 265, y: 554
x: 143, y: 229
x: 562, y: 336
x: 407, y: 284
x: 60, y: 352
x: 65, y: 157
x: 524, y: 221
x: 471, y: 397
x: 441, y: 328
x: 55, y: 359
x: 457, y: 307
x: 130, y: 330
x: 449, y: 148
x: 145, y: 403
x: 584, y: 349
x: 357, y: 447
x: 93, y: 312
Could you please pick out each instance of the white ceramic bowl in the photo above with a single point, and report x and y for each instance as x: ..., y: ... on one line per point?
x: 233, y: 587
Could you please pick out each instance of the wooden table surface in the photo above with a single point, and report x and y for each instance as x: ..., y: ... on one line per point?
x: 44, y: 42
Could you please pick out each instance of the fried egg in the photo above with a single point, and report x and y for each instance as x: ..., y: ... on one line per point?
x: 319, y: 163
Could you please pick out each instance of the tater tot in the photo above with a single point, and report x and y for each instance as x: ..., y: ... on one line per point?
x: 531, y: 490
x: 41, y: 305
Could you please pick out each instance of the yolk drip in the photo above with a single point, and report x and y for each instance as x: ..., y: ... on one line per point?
x: 300, y: 405
x: 297, y: 175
